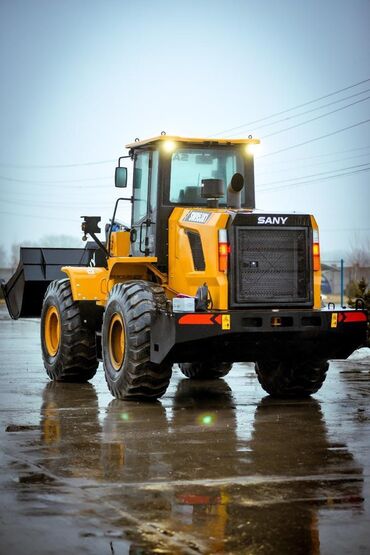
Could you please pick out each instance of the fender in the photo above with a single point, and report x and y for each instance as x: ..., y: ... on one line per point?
x: 88, y: 283
x: 94, y: 284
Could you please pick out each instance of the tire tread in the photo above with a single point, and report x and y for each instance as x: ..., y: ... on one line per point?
x: 76, y: 360
x: 140, y: 377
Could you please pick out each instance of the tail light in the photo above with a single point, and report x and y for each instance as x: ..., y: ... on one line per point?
x: 316, y: 250
x: 223, y: 250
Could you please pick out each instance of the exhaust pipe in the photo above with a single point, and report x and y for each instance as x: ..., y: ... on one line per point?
x: 234, y: 196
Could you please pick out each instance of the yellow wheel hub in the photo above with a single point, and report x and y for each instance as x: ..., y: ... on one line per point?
x: 52, y: 330
x: 116, y: 341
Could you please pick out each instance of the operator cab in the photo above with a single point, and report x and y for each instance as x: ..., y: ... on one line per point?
x: 171, y: 171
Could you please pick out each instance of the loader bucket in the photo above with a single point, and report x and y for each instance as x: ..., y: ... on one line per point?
x: 25, y: 290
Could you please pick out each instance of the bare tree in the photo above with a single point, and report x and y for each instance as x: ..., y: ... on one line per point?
x: 67, y: 241
x: 14, y: 253
x: 59, y: 241
x: 359, y: 254
x: 3, y: 257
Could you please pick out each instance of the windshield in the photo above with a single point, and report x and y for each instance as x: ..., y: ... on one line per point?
x: 190, y: 165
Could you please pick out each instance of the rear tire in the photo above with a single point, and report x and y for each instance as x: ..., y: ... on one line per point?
x: 68, y: 347
x: 289, y: 378
x: 205, y: 370
x: 126, y: 342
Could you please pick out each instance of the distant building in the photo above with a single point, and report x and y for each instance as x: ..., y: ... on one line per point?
x: 331, y: 272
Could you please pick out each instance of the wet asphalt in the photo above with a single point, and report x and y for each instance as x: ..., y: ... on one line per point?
x: 214, y: 467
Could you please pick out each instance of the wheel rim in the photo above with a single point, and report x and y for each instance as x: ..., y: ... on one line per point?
x: 116, y: 341
x: 52, y: 331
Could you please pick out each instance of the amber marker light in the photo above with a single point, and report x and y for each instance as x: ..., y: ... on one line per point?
x: 223, y: 250
x: 316, y: 250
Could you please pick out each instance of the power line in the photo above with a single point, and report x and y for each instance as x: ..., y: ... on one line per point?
x: 315, y: 139
x: 357, y: 166
x: 58, y: 205
x: 285, y: 170
x: 306, y: 111
x: 100, y: 162
x: 79, y: 188
x: 79, y: 164
x: 314, y: 119
x: 291, y: 109
x: 324, y: 178
x: 38, y: 217
x: 62, y: 203
x: 322, y: 155
x: 59, y: 195
x: 48, y: 181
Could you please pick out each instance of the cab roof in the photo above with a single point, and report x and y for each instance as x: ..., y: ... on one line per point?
x: 193, y: 140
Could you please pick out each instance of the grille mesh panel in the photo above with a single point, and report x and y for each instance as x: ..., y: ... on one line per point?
x: 271, y: 265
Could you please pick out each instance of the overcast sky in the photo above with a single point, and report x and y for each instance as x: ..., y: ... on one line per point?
x: 80, y: 79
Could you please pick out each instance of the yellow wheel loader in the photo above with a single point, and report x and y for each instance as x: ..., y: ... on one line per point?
x: 199, y: 278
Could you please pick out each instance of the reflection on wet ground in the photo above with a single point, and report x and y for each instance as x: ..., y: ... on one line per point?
x: 215, y: 467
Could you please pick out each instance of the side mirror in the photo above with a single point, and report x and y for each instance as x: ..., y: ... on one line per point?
x: 120, y: 178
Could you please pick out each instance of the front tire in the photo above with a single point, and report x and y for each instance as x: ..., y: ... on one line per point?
x: 68, y: 347
x: 289, y: 378
x: 126, y: 342
x: 205, y: 370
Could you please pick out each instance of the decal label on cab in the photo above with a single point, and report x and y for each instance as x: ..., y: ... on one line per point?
x: 334, y: 320
x: 197, y: 217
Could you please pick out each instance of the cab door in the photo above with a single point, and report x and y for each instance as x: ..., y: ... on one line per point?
x: 145, y: 203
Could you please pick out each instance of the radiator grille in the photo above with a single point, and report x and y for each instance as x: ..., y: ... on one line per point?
x: 272, y: 265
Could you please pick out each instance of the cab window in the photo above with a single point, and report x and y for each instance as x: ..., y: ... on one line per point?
x: 140, y: 186
x: 189, y: 166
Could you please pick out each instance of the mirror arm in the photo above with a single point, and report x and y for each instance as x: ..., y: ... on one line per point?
x: 121, y: 158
